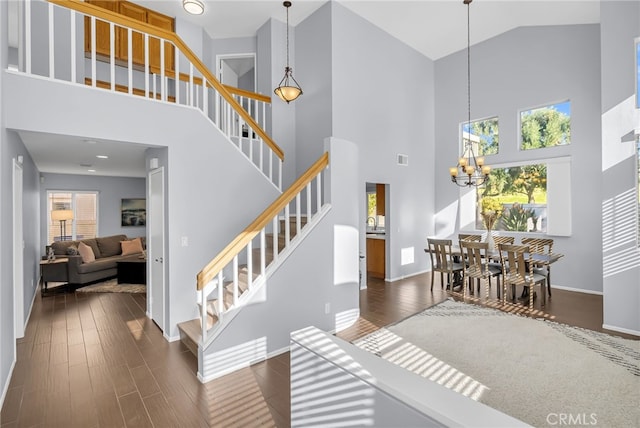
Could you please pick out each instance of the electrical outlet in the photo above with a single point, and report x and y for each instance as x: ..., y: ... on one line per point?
x: 327, y: 308
x: 185, y: 241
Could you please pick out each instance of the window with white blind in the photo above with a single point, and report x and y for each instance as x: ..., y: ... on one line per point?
x: 71, y: 215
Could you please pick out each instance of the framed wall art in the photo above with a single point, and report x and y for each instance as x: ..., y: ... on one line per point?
x: 133, y: 212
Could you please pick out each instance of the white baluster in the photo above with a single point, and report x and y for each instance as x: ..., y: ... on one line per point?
x: 298, y: 219
x: 130, y: 60
x: 308, y: 201
x: 318, y: 192
x: 275, y: 238
x: 270, y: 164
x: 27, y: 35
x: 146, y: 66
x: 73, y: 46
x: 287, y: 226
x: 249, y: 264
x: 112, y: 55
x: 190, y: 84
x: 205, y: 97
x: 279, y: 174
x: 261, y: 145
x: 163, y: 83
x: 235, y: 281
x: 203, y: 313
x: 263, y: 252
x: 93, y: 51
x: 52, y: 44
x: 220, y: 295
x: 176, y: 60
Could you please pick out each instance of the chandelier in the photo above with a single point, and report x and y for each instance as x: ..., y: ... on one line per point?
x: 470, y: 170
x: 288, y: 89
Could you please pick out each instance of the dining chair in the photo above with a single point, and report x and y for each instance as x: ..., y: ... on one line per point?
x: 541, y: 246
x: 469, y: 237
x: 515, y: 260
x: 476, y: 265
x: 495, y: 260
x: 442, y: 260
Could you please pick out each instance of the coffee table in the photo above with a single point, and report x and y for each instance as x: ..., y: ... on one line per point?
x: 133, y: 271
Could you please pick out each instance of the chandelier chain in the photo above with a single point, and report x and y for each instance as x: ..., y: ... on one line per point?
x: 287, y: 7
x: 468, y: 67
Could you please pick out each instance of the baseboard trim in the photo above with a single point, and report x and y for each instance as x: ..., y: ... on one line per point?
x: 240, y: 366
x: 171, y: 338
x: 5, y: 388
x: 576, y: 290
x: 407, y: 276
x: 621, y: 329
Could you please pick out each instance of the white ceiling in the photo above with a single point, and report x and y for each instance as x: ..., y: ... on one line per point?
x: 435, y: 28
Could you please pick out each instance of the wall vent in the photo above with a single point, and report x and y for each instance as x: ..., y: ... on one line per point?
x: 403, y: 159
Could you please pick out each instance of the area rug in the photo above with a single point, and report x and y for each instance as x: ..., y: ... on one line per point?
x: 112, y: 286
x: 541, y: 372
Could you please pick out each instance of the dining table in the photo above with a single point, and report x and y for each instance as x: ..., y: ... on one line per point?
x: 538, y: 259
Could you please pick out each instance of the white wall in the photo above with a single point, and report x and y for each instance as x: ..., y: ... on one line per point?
x: 384, y: 120
x: 323, y: 270
x: 620, y: 24
x: 200, y: 159
x: 523, y: 68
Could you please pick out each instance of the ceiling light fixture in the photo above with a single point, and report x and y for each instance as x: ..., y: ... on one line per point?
x: 194, y: 7
x: 288, y: 89
x: 474, y: 171
x: 102, y: 156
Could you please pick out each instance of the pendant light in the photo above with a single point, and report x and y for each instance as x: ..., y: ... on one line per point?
x: 470, y: 170
x: 288, y: 89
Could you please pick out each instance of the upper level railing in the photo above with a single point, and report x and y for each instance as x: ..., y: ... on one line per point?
x: 289, y: 215
x: 53, y: 47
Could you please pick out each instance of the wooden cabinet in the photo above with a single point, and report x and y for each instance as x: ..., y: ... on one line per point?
x: 103, y: 39
x: 166, y: 23
x: 376, y: 257
x: 138, y: 13
x: 121, y: 52
x: 380, y: 199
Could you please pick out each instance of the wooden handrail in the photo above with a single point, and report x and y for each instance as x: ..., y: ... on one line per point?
x: 116, y: 18
x: 242, y: 240
x: 248, y: 94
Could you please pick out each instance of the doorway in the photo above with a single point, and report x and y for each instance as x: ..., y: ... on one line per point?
x: 155, y: 248
x: 18, y: 251
x: 377, y: 230
x: 237, y: 70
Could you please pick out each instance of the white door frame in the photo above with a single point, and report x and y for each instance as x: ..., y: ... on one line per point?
x: 18, y: 251
x: 251, y: 55
x: 156, y: 276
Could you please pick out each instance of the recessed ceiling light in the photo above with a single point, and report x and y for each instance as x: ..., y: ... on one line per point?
x: 194, y: 7
x: 90, y: 142
x: 91, y: 170
x: 102, y: 156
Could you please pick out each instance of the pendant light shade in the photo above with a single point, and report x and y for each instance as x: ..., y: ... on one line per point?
x: 288, y: 89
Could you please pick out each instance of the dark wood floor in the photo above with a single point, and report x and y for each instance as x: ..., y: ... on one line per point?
x: 95, y: 360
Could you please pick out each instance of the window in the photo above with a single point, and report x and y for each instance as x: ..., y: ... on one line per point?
x: 532, y: 197
x: 547, y: 126
x: 637, y: 73
x: 83, y: 222
x: 483, y: 135
x: 519, y: 195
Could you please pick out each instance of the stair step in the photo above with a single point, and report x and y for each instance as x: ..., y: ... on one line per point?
x: 191, y: 332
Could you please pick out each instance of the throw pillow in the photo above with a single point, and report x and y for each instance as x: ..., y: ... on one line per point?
x: 131, y: 247
x: 86, y: 253
x: 72, y: 250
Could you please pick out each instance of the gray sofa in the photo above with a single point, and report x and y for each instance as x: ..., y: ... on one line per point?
x: 107, y: 251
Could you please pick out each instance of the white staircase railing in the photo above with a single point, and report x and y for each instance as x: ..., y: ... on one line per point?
x: 58, y: 53
x: 284, y: 222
